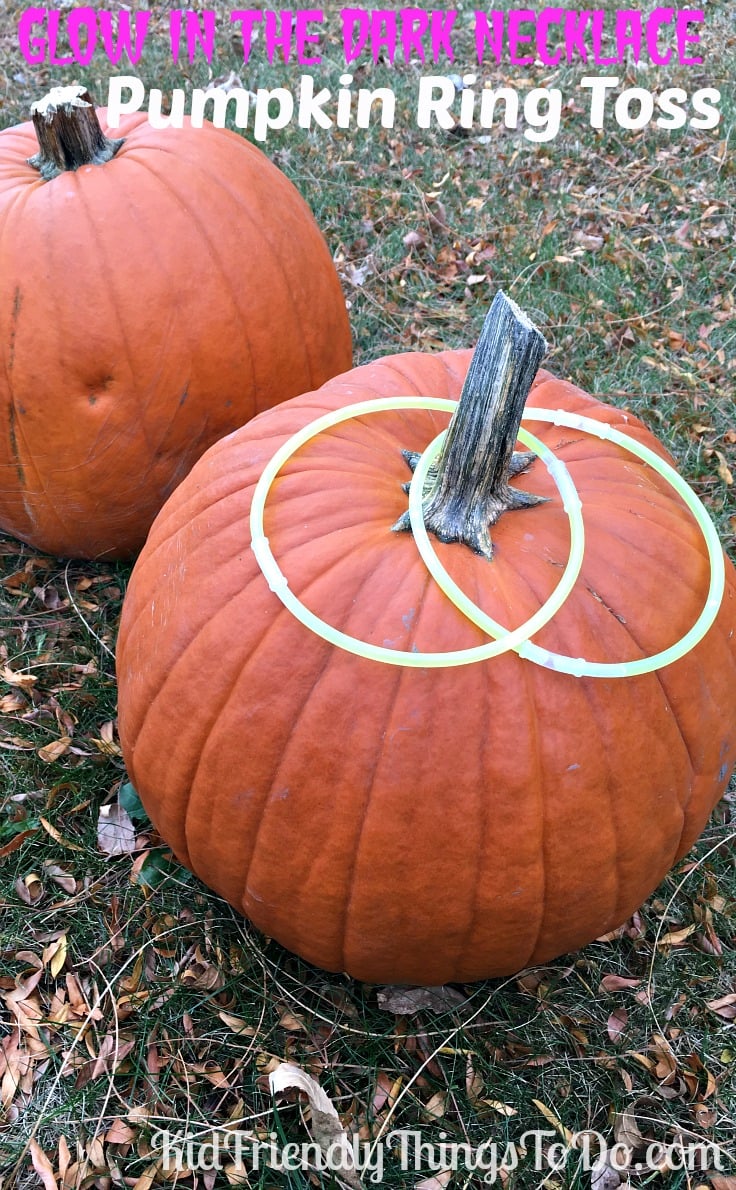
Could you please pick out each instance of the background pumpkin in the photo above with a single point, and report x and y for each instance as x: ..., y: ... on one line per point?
x: 422, y: 826
x: 149, y: 304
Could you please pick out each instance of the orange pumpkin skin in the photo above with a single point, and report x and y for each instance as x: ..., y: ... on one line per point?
x: 140, y: 301
x: 422, y: 826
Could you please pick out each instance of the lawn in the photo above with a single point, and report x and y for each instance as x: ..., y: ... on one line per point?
x: 134, y: 1001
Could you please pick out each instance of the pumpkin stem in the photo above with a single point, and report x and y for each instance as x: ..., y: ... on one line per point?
x: 469, y: 489
x: 69, y: 133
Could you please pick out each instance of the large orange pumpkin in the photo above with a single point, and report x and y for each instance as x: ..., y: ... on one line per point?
x: 422, y: 825
x: 151, y: 301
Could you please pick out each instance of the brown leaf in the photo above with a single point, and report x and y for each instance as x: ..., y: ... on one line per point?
x: 617, y: 1022
x: 16, y: 842
x: 55, y: 749
x: 106, y: 741
x: 617, y: 983
x: 557, y: 1124
x: 438, y: 1181
x: 602, y: 1177
x: 725, y: 1007
x: 16, y: 679
x: 43, y: 1166
x: 65, y: 1157
x: 203, y: 974
x: 408, y: 1001
x: 115, y: 831
x: 626, y: 1130
x: 237, y: 1024
x: 55, y: 955
x: 723, y: 469
x: 473, y: 1082
x: 327, y: 1128
x: 60, y: 877
x: 437, y: 1105
x: 503, y: 1109
x: 386, y: 1091
x: 49, y: 597
x: 414, y: 239
x: 705, y: 1117
x: 292, y: 1022
x: 677, y: 937
x: 592, y: 243
x: 147, y: 1178
x: 57, y: 836
x: 29, y: 889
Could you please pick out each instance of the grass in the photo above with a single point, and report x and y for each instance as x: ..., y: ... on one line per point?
x: 156, y: 1005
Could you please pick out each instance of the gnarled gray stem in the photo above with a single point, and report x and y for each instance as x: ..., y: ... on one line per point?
x: 69, y: 133
x: 469, y: 489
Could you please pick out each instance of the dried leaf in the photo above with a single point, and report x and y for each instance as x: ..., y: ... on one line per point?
x: 55, y: 955
x: 617, y: 983
x: 43, y: 1166
x: 592, y: 243
x: 237, y: 1024
x: 408, y: 1001
x: 327, y: 1128
x: 503, y: 1109
x: 602, y: 1177
x: 723, y: 469
x: 386, y: 1091
x: 16, y: 842
x: 473, y: 1082
x: 65, y: 1157
x: 16, y: 679
x: 120, y: 1133
x: 677, y: 937
x: 61, y: 877
x: 57, y: 835
x: 55, y: 749
x: 617, y: 1022
x: 725, y: 1007
x: 414, y: 239
x: 292, y: 1022
x: 202, y: 973
x: 557, y: 1124
x: 437, y: 1182
x: 29, y: 889
x: 705, y: 1117
x: 626, y: 1131
x: 437, y: 1105
x: 115, y: 830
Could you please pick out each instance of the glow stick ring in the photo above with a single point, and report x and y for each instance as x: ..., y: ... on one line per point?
x: 504, y: 641
x: 643, y: 665
x: 580, y: 666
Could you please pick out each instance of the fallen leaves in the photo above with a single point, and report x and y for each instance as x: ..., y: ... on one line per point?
x: 409, y: 1001
x: 616, y: 1024
x: 724, y: 1006
x: 618, y: 983
x: 326, y: 1127
x: 115, y: 830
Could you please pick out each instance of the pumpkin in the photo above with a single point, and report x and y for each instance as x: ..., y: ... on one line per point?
x: 424, y: 825
x: 156, y: 291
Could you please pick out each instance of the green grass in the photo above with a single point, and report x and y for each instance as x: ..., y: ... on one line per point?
x: 621, y: 247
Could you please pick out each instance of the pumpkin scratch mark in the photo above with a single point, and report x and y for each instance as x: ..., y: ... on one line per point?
x: 12, y: 416
x: 621, y: 619
x: 17, y: 304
